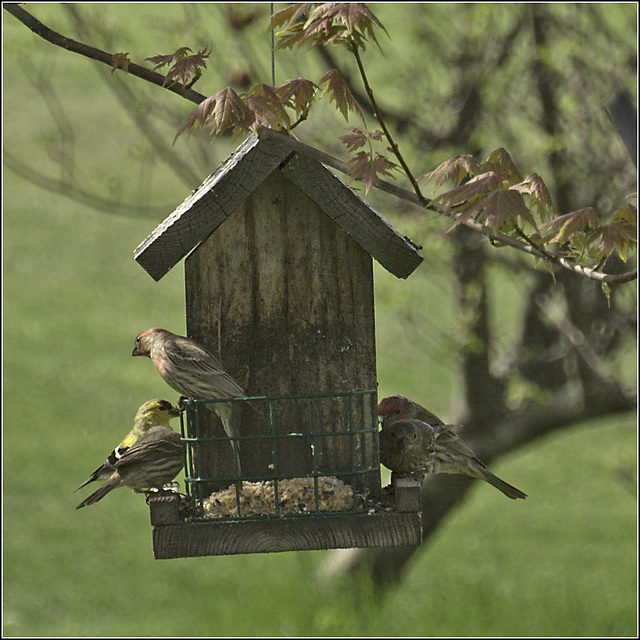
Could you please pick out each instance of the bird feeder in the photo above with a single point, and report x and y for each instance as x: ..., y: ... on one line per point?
x: 279, y: 286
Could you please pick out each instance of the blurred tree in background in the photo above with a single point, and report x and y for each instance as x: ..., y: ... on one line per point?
x: 535, y: 79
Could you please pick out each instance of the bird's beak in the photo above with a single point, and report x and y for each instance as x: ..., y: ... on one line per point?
x: 135, y: 351
x: 174, y: 412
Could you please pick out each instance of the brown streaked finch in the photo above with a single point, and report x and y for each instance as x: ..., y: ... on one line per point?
x: 192, y: 371
x: 153, y: 461
x: 397, y: 407
x: 415, y: 447
x: 152, y: 413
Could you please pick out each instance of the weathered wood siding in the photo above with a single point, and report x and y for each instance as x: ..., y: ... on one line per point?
x: 285, y: 298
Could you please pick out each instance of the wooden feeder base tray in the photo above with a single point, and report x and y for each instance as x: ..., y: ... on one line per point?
x: 174, y: 538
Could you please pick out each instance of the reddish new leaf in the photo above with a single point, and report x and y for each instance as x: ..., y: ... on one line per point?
x: 290, y: 15
x: 534, y: 187
x: 357, y: 19
x: 163, y: 60
x: 495, y: 209
x: 362, y: 167
x: 359, y: 137
x: 502, y: 163
x: 328, y: 23
x: 219, y: 112
x: 501, y: 207
x: 185, y: 66
x: 613, y: 236
x: 471, y: 190
x: 456, y: 169
x: 266, y: 108
x: 298, y: 94
x: 120, y: 61
x: 570, y: 225
x: 339, y: 91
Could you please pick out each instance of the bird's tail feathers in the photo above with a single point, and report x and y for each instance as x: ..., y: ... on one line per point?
x: 508, y: 489
x: 86, y: 482
x: 112, y: 483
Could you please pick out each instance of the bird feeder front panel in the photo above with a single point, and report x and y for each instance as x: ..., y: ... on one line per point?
x: 286, y: 298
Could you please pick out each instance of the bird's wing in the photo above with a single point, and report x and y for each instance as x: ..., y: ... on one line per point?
x: 157, y: 442
x: 184, y: 353
x: 448, y: 437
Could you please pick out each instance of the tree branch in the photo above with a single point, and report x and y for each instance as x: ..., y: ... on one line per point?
x: 189, y: 94
x: 404, y: 194
x: 97, y: 54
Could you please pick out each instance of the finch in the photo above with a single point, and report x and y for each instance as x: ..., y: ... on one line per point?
x: 150, y: 414
x: 397, y: 407
x: 409, y: 445
x: 150, y: 463
x: 192, y: 371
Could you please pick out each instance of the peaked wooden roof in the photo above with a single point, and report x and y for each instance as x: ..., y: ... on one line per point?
x: 239, y: 175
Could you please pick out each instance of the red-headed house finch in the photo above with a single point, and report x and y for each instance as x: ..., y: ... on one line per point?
x: 397, y: 407
x: 414, y: 446
x: 192, y: 371
x: 152, y: 413
x: 153, y: 461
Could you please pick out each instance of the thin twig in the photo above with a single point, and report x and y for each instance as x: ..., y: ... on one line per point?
x: 387, y: 133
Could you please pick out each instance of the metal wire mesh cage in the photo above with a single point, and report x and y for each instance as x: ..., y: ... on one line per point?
x: 299, y: 473
x: 292, y: 456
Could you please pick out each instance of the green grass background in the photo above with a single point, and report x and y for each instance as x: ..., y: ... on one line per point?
x: 562, y: 563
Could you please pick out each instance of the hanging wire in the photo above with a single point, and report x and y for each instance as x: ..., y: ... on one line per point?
x: 273, y: 57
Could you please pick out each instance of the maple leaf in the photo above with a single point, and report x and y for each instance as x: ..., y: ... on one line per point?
x: 627, y: 213
x: 359, y: 137
x: 219, y: 112
x: 328, y: 23
x: 471, y: 190
x: 163, y: 60
x: 500, y: 161
x: 568, y: 226
x: 265, y: 107
x: 298, y: 94
x: 366, y: 169
x: 185, y: 66
x: 290, y: 14
x: 357, y: 19
x: 503, y: 206
x: 534, y: 187
x: 456, y: 169
x: 120, y: 61
x: 496, y: 209
x: 613, y: 236
x: 339, y: 91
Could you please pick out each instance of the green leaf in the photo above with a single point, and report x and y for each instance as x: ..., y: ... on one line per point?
x: 606, y: 289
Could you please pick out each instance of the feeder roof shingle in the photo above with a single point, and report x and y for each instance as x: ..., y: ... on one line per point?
x: 239, y: 175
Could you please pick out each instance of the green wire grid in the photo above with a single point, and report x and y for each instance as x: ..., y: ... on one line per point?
x: 363, y: 469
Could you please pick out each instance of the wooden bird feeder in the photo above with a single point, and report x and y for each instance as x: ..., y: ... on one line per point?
x: 279, y: 285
